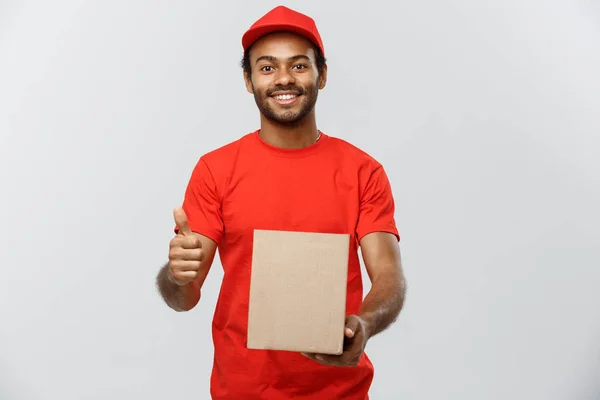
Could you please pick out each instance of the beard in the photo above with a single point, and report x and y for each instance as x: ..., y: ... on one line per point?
x: 295, y: 113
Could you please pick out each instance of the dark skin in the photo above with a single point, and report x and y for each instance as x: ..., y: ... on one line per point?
x: 190, y: 258
x: 285, y: 60
x: 285, y: 63
x: 381, y: 306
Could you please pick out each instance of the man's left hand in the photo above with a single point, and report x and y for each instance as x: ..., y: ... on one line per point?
x: 355, y: 340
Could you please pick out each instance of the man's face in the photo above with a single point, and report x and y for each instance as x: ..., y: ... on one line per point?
x: 284, y: 79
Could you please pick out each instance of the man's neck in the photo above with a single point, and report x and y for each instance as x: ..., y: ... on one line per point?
x: 297, y: 136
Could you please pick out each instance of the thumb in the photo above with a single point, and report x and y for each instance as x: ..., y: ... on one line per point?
x: 181, y: 221
x: 352, y: 325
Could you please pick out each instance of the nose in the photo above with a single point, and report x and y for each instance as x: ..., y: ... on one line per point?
x: 284, y: 78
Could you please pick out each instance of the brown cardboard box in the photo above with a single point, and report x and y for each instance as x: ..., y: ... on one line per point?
x: 298, y: 291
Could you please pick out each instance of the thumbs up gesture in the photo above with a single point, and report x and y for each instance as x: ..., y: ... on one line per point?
x: 185, y: 253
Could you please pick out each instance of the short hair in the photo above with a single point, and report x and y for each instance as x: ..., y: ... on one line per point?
x: 320, y: 60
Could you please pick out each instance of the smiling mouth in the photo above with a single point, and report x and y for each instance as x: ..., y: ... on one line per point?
x: 284, y: 99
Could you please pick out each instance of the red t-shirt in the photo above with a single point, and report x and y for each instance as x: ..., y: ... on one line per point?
x: 329, y: 187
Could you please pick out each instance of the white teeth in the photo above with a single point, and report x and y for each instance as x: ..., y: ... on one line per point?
x: 285, y: 97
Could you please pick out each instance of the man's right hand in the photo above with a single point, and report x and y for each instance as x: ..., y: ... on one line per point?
x: 185, y: 254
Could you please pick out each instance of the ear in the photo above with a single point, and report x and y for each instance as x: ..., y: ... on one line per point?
x: 248, y: 81
x: 323, y: 78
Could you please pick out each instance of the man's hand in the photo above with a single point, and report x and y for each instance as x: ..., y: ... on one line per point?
x: 185, y: 254
x: 355, y: 339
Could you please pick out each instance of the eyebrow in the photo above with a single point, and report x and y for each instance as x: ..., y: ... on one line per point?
x: 292, y: 58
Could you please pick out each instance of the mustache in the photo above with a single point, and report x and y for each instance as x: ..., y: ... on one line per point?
x: 282, y: 88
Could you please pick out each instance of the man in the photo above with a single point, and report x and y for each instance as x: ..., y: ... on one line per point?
x: 287, y: 176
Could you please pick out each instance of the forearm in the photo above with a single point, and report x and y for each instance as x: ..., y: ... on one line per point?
x: 383, y: 303
x: 179, y: 298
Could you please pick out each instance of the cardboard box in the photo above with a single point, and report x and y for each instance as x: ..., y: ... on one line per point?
x: 298, y: 291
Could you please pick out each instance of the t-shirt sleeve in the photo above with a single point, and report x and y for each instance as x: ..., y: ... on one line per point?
x: 377, y: 207
x: 202, y: 203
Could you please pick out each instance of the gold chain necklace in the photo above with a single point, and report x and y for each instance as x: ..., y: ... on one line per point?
x: 318, y: 137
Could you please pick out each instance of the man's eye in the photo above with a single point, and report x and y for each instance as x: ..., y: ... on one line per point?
x: 266, y: 68
x: 299, y: 66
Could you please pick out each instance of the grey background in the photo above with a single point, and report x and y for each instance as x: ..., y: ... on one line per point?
x: 485, y: 114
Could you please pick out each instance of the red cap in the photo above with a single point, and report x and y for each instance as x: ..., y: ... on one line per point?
x: 283, y: 19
